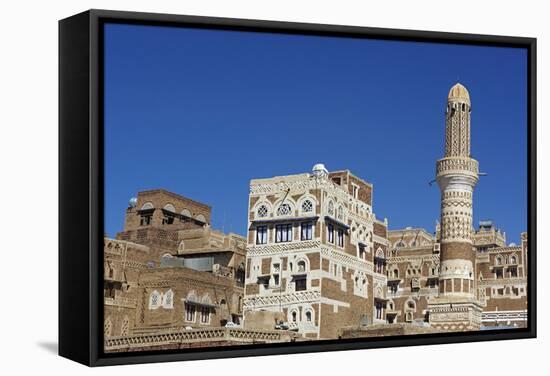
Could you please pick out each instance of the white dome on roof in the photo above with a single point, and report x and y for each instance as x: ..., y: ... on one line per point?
x: 319, y: 170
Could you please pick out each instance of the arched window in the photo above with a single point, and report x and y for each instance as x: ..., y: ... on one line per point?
x: 340, y: 213
x: 513, y: 260
x: 379, y: 261
x: 498, y: 260
x: 411, y: 305
x: 154, y: 300
x: 125, y: 326
x: 240, y: 274
x: 170, y: 208
x: 147, y: 206
x: 284, y: 209
x: 330, y: 208
x: 146, y: 214
x: 262, y: 211
x: 108, y: 327
x: 396, y: 273
x: 294, y: 316
x: 307, y: 206
x: 169, y: 214
x: 301, y: 266
x: 309, y: 316
x: 168, y: 300
x: 111, y: 271
x: 186, y: 213
x: 200, y: 218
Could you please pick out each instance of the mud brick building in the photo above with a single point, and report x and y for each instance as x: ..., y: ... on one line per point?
x: 500, y: 276
x: 316, y: 263
x: 459, y: 278
x: 170, y: 276
x: 316, y: 252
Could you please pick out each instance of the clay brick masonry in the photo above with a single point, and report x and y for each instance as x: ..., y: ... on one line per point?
x: 316, y: 263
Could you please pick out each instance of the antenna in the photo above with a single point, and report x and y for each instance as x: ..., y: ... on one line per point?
x: 286, y: 195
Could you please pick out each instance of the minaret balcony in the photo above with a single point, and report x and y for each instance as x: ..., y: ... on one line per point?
x: 457, y: 166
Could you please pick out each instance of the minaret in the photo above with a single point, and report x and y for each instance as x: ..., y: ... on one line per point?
x: 456, y: 307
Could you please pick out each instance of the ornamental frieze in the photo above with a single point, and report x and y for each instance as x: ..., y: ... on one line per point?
x: 284, y: 298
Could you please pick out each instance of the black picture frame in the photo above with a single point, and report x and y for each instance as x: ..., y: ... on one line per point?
x: 81, y: 186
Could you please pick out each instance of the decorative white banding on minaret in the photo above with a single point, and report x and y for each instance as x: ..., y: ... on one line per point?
x: 457, y: 175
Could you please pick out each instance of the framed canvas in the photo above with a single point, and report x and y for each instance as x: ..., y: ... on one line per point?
x: 236, y: 187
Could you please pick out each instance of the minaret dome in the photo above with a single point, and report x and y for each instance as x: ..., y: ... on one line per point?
x: 459, y: 93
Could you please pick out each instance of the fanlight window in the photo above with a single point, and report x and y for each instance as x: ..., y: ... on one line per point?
x: 262, y: 211
x: 284, y: 209
x: 170, y: 208
x: 307, y: 206
x: 147, y: 206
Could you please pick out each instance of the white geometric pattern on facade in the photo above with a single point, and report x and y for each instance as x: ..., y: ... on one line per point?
x: 284, y: 210
x: 307, y: 206
x: 176, y: 337
x: 279, y: 248
x: 284, y: 298
x: 262, y: 211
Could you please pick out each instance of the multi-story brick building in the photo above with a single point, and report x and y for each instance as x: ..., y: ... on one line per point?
x: 500, y: 272
x: 170, y: 281
x: 315, y: 263
x: 316, y: 252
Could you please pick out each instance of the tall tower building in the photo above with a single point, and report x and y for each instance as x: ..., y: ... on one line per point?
x: 456, y: 307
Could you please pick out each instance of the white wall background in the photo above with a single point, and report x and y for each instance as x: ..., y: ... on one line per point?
x: 28, y: 183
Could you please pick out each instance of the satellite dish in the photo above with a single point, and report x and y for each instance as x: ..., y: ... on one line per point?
x: 132, y: 203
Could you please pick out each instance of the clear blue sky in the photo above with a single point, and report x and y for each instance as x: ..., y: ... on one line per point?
x: 201, y: 112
